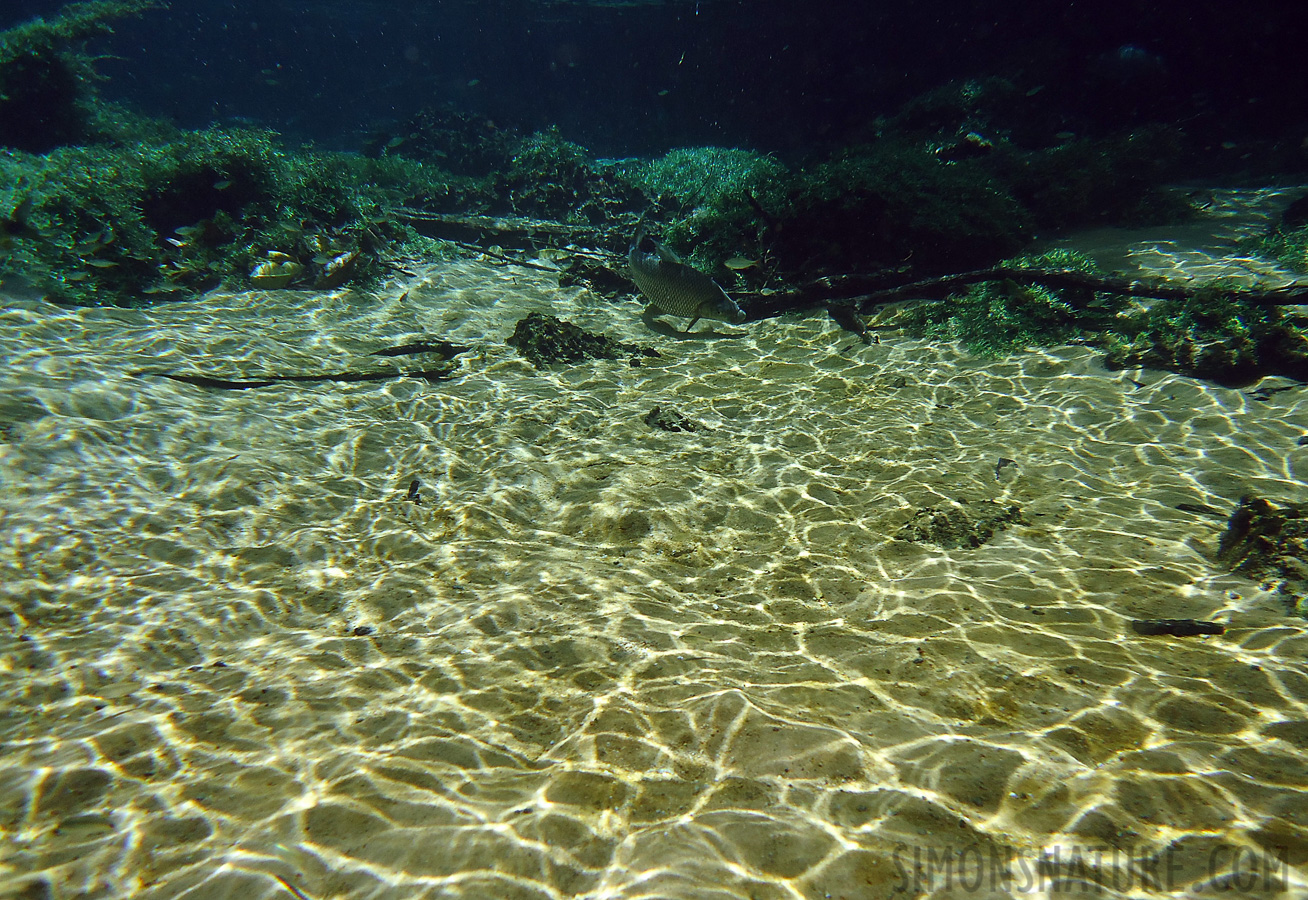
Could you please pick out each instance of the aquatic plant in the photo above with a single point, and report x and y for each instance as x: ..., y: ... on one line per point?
x: 988, y: 104
x: 46, y: 82
x: 554, y: 178
x: 1213, y: 336
x: 545, y: 340
x: 894, y: 204
x: 1269, y: 543
x: 459, y: 142
x: 995, y: 318
x: 693, y: 177
x: 1288, y: 245
x: 148, y: 219
x: 1116, y: 180
x: 712, y: 198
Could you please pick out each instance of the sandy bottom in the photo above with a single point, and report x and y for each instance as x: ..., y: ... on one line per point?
x: 603, y: 660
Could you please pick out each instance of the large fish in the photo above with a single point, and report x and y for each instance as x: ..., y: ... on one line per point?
x: 674, y: 287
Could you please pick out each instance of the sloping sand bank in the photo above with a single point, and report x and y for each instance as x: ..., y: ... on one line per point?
x: 599, y: 659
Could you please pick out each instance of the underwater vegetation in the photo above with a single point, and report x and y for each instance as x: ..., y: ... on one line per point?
x: 715, y: 199
x: 1269, y: 543
x: 894, y: 204
x: 549, y: 177
x: 156, y: 218
x: 1212, y: 336
x: 501, y: 172
x: 996, y: 318
x: 1208, y: 335
x: 545, y: 340
x: 101, y: 206
x: 1287, y: 240
x: 47, y: 96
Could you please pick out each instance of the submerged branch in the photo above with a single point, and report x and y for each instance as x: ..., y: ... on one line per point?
x: 863, y: 292
x: 859, y: 292
x: 938, y: 288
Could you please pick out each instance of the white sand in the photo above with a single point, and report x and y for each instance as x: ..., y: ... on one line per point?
x: 605, y: 660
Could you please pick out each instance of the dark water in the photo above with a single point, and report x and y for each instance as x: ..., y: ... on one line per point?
x: 639, y: 78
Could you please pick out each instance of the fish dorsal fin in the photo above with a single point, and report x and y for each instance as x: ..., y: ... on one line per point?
x: 665, y: 254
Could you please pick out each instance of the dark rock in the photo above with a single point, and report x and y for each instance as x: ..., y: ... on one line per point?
x: 1269, y: 543
x: 967, y: 525
x: 671, y: 420
x: 1295, y: 215
x: 544, y: 339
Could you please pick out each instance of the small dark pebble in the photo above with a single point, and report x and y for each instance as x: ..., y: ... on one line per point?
x: 670, y: 420
x: 413, y: 496
x: 1176, y: 627
x: 361, y: 630
x: 1303, y: 441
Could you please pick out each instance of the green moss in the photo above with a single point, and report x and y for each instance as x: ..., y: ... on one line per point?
x: 1210, y: 335
x: 694, y: 177
x: 1115, y: 180
x: 544, y: 340
x: 76, y: 21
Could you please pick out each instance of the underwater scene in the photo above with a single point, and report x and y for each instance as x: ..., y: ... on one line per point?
x: 661, y: 449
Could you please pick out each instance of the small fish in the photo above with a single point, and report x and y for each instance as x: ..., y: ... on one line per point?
x: 675, y: 288
x: 739, y: 263
x: 101, y: 263
x: 222, y: 185
x: 15, y: 225
x: 1003, y: 465
x: 188, y: 230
